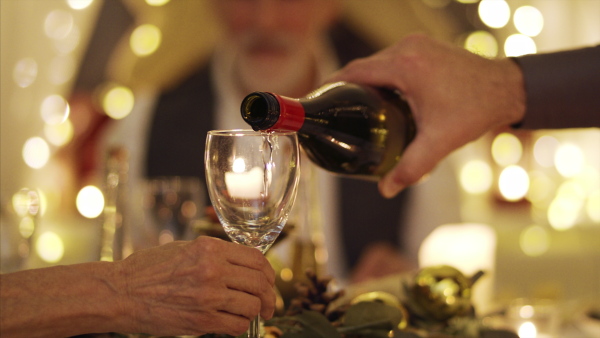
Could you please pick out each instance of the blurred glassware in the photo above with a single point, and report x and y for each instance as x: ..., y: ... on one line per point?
x: 116, y: 239
x: 536, y: 318
x: 172, y: 208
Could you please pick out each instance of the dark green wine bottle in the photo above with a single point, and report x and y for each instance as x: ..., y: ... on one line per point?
x: 345, y: 128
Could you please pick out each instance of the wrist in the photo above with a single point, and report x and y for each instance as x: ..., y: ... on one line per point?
x: 104, y: 302
x: 514, y: 84
x: 62, y: 301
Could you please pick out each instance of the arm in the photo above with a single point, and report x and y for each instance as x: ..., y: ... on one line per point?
x: 206, y: 285
x: 60, y: 301
x: 563, y: 89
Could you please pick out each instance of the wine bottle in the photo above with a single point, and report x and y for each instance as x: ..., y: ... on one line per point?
x: 345, y: 128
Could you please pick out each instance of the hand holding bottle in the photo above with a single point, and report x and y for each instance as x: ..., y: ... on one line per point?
x: 455, y: 97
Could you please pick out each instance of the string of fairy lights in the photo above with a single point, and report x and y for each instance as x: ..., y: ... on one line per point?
x: 551, y: 171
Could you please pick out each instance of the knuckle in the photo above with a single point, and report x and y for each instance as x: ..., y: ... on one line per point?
x: 209, y: 271
x: 254, y: 307
x: 262, y: 263
x: 412, y: 52
x: 207, y: 245
x: 265, y: 285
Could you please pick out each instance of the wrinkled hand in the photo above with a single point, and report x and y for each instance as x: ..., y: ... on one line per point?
x: 207, y: 285
x: 455, y: 95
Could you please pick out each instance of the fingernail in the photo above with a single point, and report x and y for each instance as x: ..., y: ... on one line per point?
x: 389, y: 189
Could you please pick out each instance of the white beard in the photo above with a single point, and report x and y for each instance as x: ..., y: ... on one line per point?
x: 276, y: 64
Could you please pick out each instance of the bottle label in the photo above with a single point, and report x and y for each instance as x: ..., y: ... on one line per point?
x: 291, y: 114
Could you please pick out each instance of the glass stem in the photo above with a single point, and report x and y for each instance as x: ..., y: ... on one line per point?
x: 254, y: 330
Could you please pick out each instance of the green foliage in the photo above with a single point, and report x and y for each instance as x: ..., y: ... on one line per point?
x: 307, y: 324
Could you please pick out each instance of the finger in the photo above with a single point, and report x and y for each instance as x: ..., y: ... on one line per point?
x: 419, y: 158
x: 255, y: 283
x: 239, y: 303
x: 235, y: 254
x: 224, y: 323
x: 253, y: 259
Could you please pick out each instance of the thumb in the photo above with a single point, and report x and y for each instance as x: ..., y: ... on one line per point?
x: 419, y: 158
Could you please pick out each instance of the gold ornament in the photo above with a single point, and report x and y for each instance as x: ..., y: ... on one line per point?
x: 387, y: 299
x: 443, y: 292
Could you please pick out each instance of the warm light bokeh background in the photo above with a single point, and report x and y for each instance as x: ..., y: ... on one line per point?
x: 535, y: 256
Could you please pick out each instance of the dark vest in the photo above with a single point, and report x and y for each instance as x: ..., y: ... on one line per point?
x: 184, y: 115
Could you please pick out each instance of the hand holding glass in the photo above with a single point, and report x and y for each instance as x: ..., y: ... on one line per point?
x: 252, y: 179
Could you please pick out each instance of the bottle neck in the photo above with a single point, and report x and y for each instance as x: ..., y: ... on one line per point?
x: 291, y: 114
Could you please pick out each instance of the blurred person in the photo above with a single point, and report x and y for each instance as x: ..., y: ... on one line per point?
x: 288, y: 47
x: 202, y: 286
x: 457, y: 96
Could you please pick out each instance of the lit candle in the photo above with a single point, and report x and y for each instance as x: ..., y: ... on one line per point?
x: 248, y: 184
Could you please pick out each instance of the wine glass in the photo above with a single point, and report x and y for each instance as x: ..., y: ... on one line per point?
x: 252, y: 179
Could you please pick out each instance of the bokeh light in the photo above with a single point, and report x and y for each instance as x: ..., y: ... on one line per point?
x: 569, y: 160
x: 189, y: 209
x: 79, y: 4
x: 571, y: 189
x: 588, y: 179
x: 321, y: 255
x: 476, y: 177
x: 58, y: 24
x: 25, y: 72
x: 59, y: 134
x: 506, y: 149
x: 526, y: 311
x: 36, y: 152
x: 527, y: 329
x: 26, y: 227
x: 26, y: 202
x: 494, y: 13
x: 157, y: 2
x: 286, y: 274
x: 544, y: 150
x: 534, y: 241
x: 519, y: 44
x: 563, y: 212
x: 513, y: 183
x: 145, y: 40
x: 482, y: 43
x: 528, y: 20
x: 541, y: 188
x: 68, y: 44
x: 118, y: 102
x: 54, y: 109
x: 43, y: 202
x: 20, y: 202
x: 49, y: 246
x: 90, y: 201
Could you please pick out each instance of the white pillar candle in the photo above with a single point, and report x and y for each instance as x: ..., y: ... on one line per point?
x: 249, y: 184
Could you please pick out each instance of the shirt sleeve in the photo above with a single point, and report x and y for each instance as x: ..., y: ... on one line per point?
x: 563, y: 89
